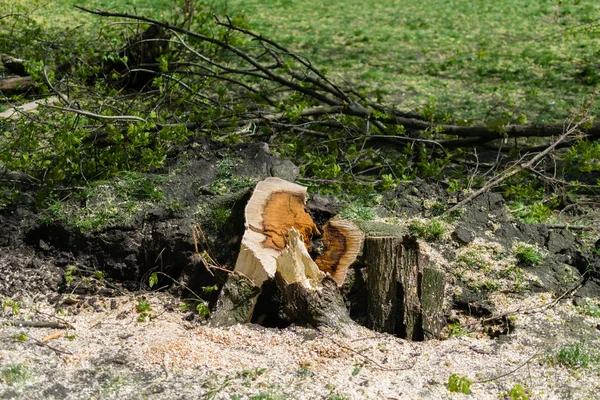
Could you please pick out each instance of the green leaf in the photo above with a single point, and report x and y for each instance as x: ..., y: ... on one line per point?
x: 203, y: 310
x: 153, y: 279
x: 518, y: 393
x: 459, y: 384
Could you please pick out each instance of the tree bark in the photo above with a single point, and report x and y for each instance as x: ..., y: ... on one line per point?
x: 405, y: 295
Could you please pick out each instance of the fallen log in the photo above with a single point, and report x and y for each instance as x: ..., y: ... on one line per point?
x: 14, y: 65
x: 15, y: 112
x: 16, y: 84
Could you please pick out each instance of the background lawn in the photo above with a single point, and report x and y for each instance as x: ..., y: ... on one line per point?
x: 470, y: 60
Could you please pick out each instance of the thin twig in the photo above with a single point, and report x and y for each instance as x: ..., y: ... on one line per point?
x: 518, y: 168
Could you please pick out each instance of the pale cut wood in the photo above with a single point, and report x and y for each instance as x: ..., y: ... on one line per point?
x: 275, y: 207
x: 15, y: 112
x: 294, y: 264
x: 342, y: 240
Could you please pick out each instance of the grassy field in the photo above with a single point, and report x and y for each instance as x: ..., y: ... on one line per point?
x: 519, y: 60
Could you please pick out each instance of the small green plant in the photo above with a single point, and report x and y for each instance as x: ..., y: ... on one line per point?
x: 590, y: 309
x: 142, y: 306
x: 99, y: 275
x: 153, y: 280
x: 144, y: 317
x: 459, y: 384
x: 534, y: 213
x: 358, y: 210
x: 203, y: 310
x: 430, y: 230
x: 473, y: 259
x: 251, y: 373
x: 13, y: 305
x: 337, y: 397
x: 517, y: 392
x: 183, y: 307
x: 527, y: 255
x: 14, y: 373
x: 70, y: 273
x: 209, y: 289
x: 578, y: 355
x: 21, y: 337
x: 455, y: 329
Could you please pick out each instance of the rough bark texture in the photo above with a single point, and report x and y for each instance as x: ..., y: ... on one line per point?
x: 383, y: 258
x: 323, y: 307
x: 404, y: 295
x: 432, y: 300
x: 236, y: 302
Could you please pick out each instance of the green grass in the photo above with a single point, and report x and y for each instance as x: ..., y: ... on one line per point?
x: 14, y: 373
x: 579, y: 355
x: 527, y: 255
x: 508, y: 61
x: 511, y: 57
x: 428, y: 230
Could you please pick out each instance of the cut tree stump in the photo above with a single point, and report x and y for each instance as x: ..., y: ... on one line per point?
x: 275, y: 248
x: 405, y: 295
x: 276, y: 206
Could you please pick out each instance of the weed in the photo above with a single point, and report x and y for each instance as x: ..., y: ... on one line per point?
x: 13, y: 305
x: 517, y: 392
x: 99, y: 275
x: 590, y: 309
x: 358, y: 210
x: 430, y: 230
x: 203, y: 310
x: 220, y: 215
x: 70, y: 273
x: 473, y: 259
x: 251, y: 373
x: 579, y: 355
x: 459, y: 384
x: 527, y: 255
x: 144, y: 317
x: 534, y: 213
x: 143, y: 305
x: 153, y: 280
x: 21, y: 337
x: 14, y: 373
x: 455, y: 329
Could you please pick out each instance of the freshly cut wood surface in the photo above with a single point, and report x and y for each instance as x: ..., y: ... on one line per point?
x: 276, y: 206
x: 295, y: 264
x: 342, y: 240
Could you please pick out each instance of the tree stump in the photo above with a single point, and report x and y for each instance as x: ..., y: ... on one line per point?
x: 405, y: 295
x: 275, y: 247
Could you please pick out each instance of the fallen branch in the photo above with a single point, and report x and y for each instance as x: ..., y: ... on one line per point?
x: 36, y: 324
x: 17, y: 111
x: 509, y: 173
